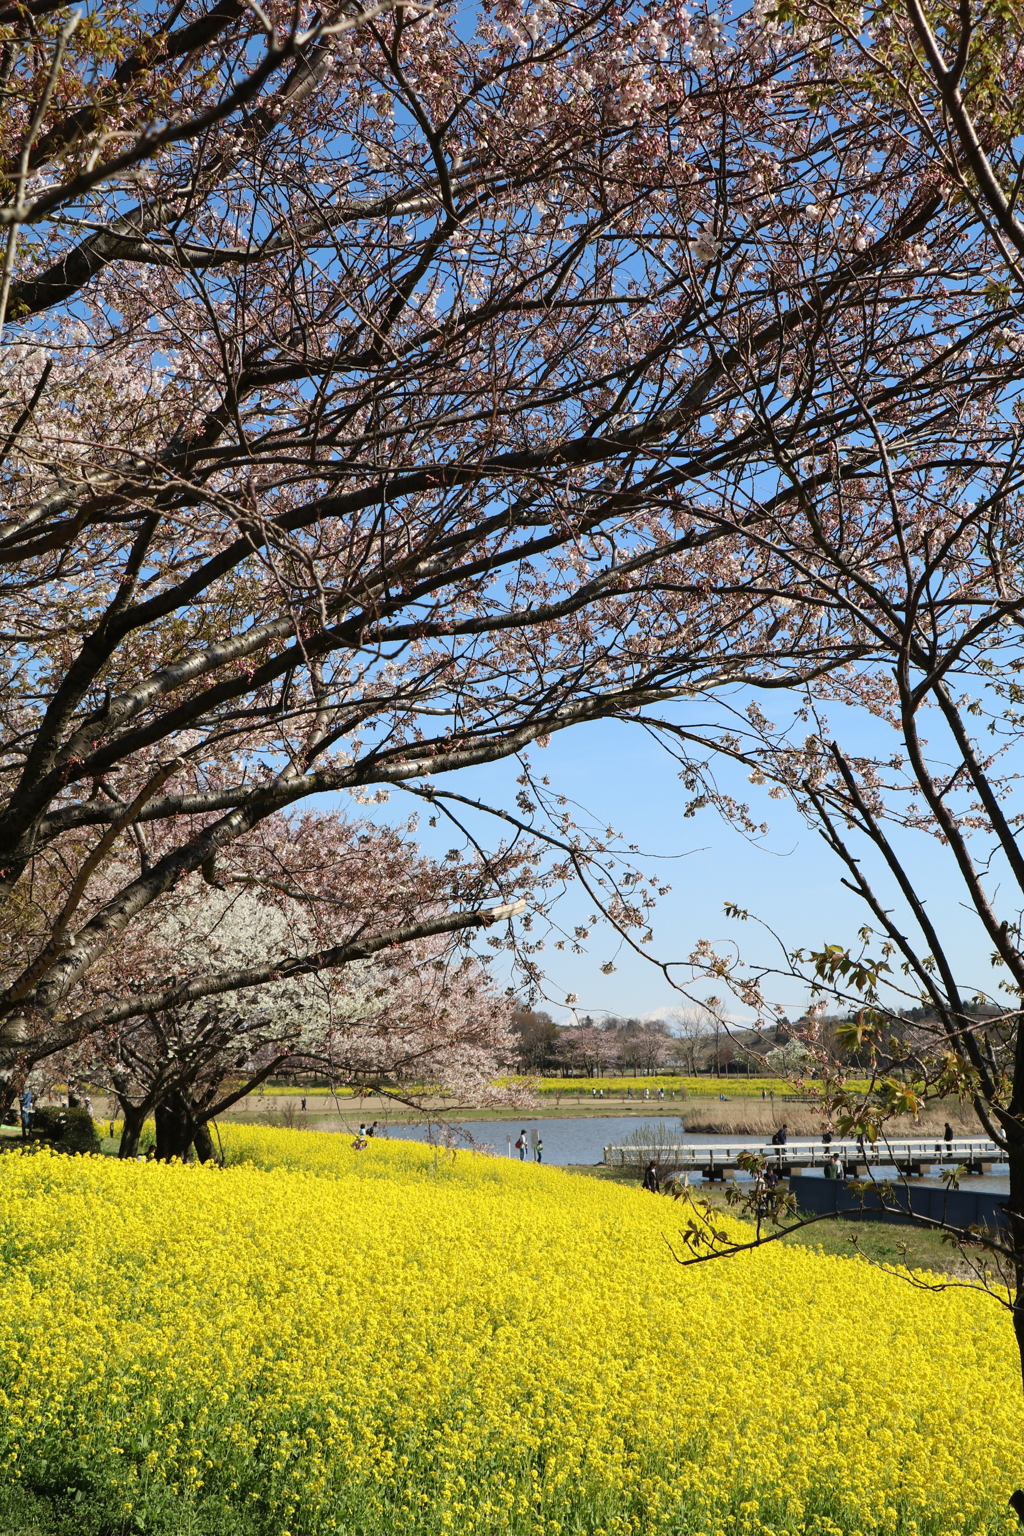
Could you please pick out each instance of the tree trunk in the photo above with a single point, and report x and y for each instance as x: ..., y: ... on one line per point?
x: 1015, y: 1216
x: 131, y: 1130
x: 203, y: 1142
x: 175, y: 1128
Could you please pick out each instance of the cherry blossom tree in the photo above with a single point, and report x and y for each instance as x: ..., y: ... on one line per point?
x: 587, y: 1049
x: 420, y: 1014
x: 369, y: 386
x: 232, y: 1005
x: 899, y: 538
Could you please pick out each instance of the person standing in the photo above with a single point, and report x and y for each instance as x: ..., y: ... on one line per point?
x: 651, y: 1178
x: 948, y: 1136
x: 538, y: 1150
x: 781, y: 1136
x: 27, y: 1111
x: 303, y: 1106
x: 522, y: 1144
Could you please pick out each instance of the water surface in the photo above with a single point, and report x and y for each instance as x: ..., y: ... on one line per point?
x: 572, y: 1141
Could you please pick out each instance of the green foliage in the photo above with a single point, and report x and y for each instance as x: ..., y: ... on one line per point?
x: 66, y: 1130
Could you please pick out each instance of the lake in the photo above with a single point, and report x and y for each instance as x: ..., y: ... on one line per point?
x: 580, y: 1141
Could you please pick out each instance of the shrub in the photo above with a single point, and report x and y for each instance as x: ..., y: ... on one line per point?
x: 66, y: 1130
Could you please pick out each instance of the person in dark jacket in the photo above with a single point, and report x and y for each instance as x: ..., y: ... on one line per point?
x: 948, y: 1134
x: 651, y: 1178
x: 781, y: 1137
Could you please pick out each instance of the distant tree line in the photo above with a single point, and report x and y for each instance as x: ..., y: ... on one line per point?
x: 691, y: 1042
x: 688, y: 1041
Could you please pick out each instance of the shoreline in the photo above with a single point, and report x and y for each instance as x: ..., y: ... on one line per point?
x: 711, y: 1116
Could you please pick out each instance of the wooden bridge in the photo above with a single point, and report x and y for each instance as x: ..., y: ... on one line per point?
x: 914, y: 1156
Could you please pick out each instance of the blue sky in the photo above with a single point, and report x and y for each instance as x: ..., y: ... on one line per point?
x: 789, y: 879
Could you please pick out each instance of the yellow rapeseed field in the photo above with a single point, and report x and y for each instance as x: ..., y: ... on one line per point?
x: 318, y: 1340
x: 696, y: 1087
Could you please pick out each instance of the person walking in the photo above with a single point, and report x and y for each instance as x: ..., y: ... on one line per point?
x: 27, y: 1111
x: 538, y: 1151
x: 948, y: 1136
x: 651, y: 1178
x: 303, y: 1106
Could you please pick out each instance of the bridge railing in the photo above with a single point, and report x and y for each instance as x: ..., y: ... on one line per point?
x: 810, y: 1154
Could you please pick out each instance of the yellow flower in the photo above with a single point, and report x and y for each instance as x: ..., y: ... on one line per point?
x: 399, y: 1342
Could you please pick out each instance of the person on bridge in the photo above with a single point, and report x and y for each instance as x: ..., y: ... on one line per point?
x: 826, y: 1138
x: 781, y: 1136
x: 651, y: 1178
x: 948, y: 1134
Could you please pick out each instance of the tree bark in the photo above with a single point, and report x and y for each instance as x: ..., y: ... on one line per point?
x: 134, y: 1118
x: 175, y: 1128
x: 203, y: 1143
